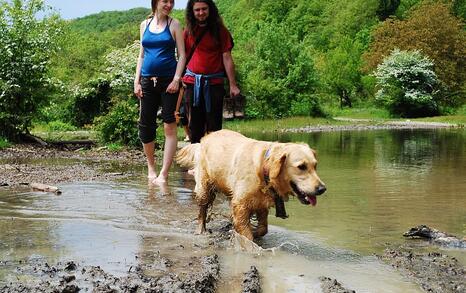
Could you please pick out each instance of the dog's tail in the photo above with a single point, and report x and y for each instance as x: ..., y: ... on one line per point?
x: 188, y: 156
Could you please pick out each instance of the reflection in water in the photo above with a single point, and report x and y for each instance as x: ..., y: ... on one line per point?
x: 380, y: 183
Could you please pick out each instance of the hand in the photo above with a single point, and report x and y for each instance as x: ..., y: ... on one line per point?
x: 234, y: 91
x: 138, y: 90
x: 173, y: 87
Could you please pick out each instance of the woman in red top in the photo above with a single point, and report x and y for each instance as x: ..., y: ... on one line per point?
x: 210, y: 62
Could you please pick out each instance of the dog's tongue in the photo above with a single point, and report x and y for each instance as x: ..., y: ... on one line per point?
x: 312, y: 199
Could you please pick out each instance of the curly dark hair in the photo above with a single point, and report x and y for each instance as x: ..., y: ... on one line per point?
x: 214, y: 21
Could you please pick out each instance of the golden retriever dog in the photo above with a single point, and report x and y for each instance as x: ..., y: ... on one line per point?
x: 256, y: 175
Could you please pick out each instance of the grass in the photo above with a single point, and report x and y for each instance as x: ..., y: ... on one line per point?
x: 114, y: 147
x: 271, y: 125
x: 460, y: 120
x: 4, y: 143
x: 370, y: 113
x: 60, y: 131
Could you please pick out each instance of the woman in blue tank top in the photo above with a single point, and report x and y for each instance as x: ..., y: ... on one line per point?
x: 157, y: 83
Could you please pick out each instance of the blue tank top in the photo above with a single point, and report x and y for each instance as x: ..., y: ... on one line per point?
x: 159, y: 53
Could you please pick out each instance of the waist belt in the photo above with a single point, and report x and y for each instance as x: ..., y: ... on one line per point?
x: 204, y: 81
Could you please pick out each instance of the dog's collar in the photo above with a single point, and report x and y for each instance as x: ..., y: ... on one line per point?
x: 265, y: 170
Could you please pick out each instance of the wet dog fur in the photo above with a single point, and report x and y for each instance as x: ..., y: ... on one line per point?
x: 250, y: 172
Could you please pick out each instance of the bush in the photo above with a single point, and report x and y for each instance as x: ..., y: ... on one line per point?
x: 89, y: 102
x: 60, y: 126
x: 119, y: 125
x: 407, y: 82
x: 432, y: 28
x: 4, y: 143
x: 27, y: 43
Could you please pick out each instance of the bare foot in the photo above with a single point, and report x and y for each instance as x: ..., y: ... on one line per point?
x: 160, y: 180
x: 151, y: 174
x: 164, y: 189
x: 191, y: 172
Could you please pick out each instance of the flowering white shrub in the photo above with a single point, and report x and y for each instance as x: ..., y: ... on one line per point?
x: 121, y: 66
x: 407, y: 83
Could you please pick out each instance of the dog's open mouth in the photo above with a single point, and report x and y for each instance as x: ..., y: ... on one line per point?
x: 304, y: 198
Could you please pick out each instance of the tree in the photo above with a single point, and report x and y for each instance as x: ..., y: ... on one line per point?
x: 339, y: 70
x: 436, y: 32
x: 27, y: 42
x: 407, y: 83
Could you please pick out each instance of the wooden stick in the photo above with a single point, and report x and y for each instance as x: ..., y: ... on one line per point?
x: 45, y: 188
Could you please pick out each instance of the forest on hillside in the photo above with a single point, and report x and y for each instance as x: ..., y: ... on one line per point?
x: 298, y: 57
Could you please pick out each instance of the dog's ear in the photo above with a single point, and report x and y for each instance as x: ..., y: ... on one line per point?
x: 276, y: 164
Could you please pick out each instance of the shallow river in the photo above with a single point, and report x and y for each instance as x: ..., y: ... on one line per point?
x: 380, y: 183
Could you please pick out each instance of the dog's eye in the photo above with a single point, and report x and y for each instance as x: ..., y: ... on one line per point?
x: 302, y: 167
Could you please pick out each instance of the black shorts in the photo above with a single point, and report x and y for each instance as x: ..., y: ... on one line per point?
x: 153, y: 98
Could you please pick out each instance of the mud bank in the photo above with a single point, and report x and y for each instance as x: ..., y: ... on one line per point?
x: 434, y: 272
x: 71, y: 277
x: 21, y: 164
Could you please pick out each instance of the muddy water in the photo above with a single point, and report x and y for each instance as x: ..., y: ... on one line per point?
x: 380, y: 183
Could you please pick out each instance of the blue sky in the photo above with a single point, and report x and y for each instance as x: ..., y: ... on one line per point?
x: 69, y: 9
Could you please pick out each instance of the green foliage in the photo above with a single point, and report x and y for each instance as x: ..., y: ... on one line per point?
x: 4, y: 143
x: 27, y: 43
x: 89, y: 102
x: 459, y: 7
x: 119, y: 125
x: 89, y: 39
x: 339, y: 70
x: 120, y: 65
x: 431, y: 28
x: 286, y: 52
x: 407, y: 82
x: 114, y: 147
x: 272, y: 81
x: 108, y: 20
x: 60, y: 126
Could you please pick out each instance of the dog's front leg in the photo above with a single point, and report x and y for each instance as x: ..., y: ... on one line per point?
x: 201, y: 218
x: 262, y: 225
x: 241, y: 220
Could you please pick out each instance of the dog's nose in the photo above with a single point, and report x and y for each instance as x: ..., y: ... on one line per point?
x: 321, y: 189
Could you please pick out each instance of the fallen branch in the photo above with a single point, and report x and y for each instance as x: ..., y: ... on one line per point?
x: 436, y: 236
x: 45, y: 188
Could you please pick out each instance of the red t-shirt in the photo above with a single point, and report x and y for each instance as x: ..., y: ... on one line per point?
x: 208, y: 56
